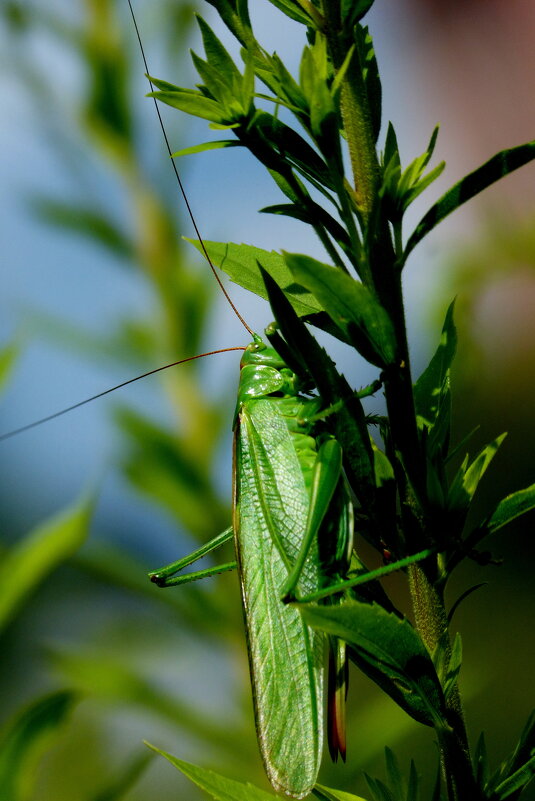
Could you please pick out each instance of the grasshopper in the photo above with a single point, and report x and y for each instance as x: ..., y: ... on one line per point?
x: 291, y: 510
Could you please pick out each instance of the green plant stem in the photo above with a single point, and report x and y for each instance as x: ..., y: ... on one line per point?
x: 355, y: 112
x: 432, y: 625
x: 430, y: 614
x: 379, y: 273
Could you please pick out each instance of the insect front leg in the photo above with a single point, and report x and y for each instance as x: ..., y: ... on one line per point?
x: 166, y: 576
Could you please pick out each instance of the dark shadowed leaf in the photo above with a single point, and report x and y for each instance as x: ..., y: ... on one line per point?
x: 500, y: 165
x: 388, y: 649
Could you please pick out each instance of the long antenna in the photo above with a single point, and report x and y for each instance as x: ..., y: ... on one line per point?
x: 61, y: 412
x: 179, y: 181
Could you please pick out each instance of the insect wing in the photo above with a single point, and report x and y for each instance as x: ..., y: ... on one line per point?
x: 285, y: 655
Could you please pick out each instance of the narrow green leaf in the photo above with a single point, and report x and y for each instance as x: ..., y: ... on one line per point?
x: 508, y: 509
x: 430, y: 385
x: 219, y: 787
x: 26, y: 739
x: 28, y: 562
x: 313, y: 214
x: 393, y: 771
x: 217, y: 56
x: 240, y: 262
x: 481, y: 762
x: 519, y: 779
x: 466, y: 480
x: 193, y: 103
x: 352, y: 11
x: 518, y: 768
x: 218, y: 144
x: 216, y: 85
x: 454, y: 667
x: 329, y: 794
x: 351, y: 306
x: 511, y: 507
x: 500, y: 165
x: 379, y: 790
x: 437, y: 794
x: 463, y: 596
x: 413, y: 788
x: 293, y: 10
x: 391, y: 152
x: 388, y: 650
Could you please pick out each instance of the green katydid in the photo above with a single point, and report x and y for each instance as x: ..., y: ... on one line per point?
x: 293, y: 534
x: 285, y: 481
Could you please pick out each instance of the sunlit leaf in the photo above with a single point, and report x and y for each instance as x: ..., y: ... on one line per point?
x: 219, y: 787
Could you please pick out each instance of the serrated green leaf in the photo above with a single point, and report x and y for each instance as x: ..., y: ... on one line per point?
x: 26, y: 739
x: 351, y: 306
x: 468, y: 187
x: 388, y: 649
x: 28, y: 562
x: 240, y: 262
x: 219, y: 787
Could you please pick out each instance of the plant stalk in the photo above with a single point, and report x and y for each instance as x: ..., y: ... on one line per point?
x: 355, y: 112
x: 432, y: 625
